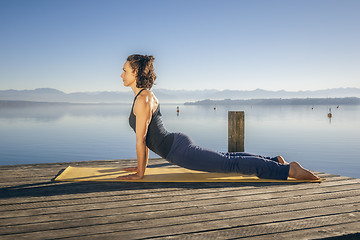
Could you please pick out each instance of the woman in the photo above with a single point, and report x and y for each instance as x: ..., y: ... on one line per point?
x: 177, y: 148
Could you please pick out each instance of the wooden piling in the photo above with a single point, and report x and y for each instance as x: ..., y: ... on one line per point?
x: 236, y: 131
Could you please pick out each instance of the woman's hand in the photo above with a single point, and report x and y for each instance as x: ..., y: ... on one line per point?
x: 130, y: 177
x: 130, y: 169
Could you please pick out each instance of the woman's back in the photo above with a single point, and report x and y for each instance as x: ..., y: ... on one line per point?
x: 158, y: 139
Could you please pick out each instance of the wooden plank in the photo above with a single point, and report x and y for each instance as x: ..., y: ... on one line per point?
x: 196, y: 199
x: 233, y: 207
x: 281, y: 230
x: 342, y: 231
x: 161, y: 218
x: 37, y: 209
x: 156, y: 220
x: 229, y: 227
x: 137, y: 200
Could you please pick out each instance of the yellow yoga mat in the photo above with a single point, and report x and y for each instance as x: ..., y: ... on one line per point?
x: 161, y: 174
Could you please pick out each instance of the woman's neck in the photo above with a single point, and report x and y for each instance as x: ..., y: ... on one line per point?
x: 136, y: 90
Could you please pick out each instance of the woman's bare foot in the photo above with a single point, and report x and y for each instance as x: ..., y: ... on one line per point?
x: 282, y: 160
x: 298, y: 172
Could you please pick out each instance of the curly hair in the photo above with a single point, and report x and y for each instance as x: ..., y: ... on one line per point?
x: 143, y: 66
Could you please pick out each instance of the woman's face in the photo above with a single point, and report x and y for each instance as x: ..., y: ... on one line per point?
x: 128, y: 76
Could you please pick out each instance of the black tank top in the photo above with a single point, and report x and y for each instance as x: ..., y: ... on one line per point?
x: 158, y: 139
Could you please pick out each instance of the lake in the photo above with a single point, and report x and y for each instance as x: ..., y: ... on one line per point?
x: 67, y: 133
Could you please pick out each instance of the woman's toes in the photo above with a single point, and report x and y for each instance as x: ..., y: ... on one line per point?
x: 281, y: 160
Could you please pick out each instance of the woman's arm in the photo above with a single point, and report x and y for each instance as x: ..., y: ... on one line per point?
x: 143, y: 113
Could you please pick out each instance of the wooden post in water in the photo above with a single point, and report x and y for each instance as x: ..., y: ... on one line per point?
x: 236, y: 131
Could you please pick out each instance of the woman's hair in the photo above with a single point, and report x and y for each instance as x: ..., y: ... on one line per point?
x: 143, y: 66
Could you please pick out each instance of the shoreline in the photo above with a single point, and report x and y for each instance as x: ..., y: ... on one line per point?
x: 280, y: 101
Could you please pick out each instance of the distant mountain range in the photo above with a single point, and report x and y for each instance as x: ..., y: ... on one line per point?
x: 170, y: 96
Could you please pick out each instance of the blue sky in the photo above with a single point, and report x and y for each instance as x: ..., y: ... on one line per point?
x: 81, y: 45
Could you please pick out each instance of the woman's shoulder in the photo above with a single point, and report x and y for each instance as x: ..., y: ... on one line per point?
x: 146, y: 96
x: 146, y: 99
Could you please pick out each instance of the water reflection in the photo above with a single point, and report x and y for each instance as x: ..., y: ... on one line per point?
x: 48, y: 113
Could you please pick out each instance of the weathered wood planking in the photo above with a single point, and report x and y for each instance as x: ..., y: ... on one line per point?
x: 33, y: 207
x: 236, y: 131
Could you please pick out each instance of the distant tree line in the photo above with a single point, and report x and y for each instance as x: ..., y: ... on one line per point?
x: 280, y: 101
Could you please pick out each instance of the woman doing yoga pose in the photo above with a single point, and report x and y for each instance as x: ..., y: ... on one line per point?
x: 177, y: 148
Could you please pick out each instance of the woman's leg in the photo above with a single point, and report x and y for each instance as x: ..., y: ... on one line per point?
x: 188, y: 155
x: 243, y: 154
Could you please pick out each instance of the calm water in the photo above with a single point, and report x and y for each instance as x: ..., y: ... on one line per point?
x: 95, y: 132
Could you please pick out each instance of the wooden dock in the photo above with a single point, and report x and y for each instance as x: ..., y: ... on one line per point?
x: 34, y: 207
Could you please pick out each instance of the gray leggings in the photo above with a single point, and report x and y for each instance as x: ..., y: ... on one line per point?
x: 185, y: 153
